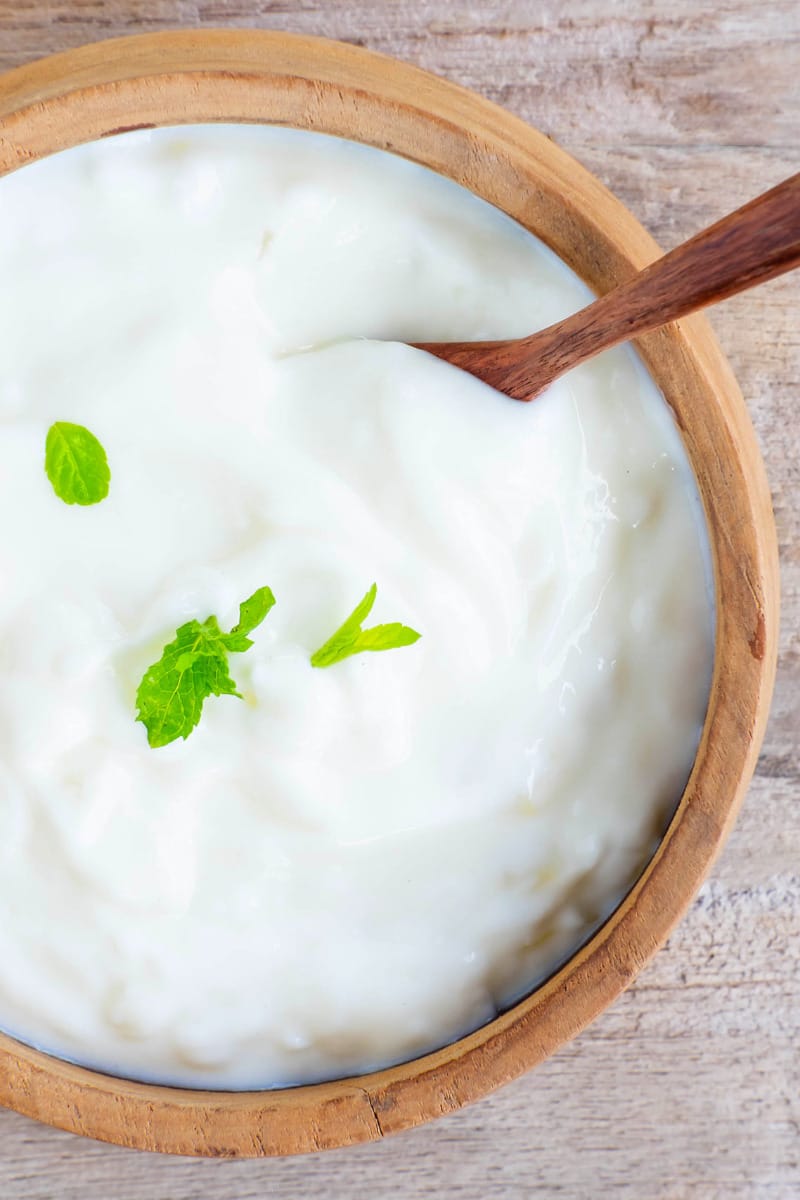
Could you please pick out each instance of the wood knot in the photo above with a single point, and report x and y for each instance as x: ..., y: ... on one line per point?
x: 758, y: 641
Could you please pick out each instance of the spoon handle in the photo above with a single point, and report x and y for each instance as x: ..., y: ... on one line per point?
x: 749, y: 246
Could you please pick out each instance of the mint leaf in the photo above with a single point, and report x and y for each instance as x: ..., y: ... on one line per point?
x: 76, y: 464
x: 251, y: 614
x: 385, y: 637
x: 193, y: 667
x: 350, y: 638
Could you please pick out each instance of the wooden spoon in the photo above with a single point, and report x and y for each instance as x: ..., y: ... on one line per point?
x: 749, y: 246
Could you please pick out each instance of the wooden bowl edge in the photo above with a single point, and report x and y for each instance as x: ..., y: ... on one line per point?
x: 464, y: 136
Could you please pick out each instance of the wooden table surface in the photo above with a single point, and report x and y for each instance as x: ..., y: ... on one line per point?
x: 689, y: 1087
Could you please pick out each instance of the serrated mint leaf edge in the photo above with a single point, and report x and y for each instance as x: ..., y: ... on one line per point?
x: 209, y: 643
x: 253, y: 611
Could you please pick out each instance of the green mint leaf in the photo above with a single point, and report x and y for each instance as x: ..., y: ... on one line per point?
x: 386, y: 637
x: 253, y: 611
x: 350, y: 638
x: 76, y: 464
x: 193, y: 667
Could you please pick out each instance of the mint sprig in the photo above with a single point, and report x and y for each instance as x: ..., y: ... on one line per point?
x: 76, y: 464
x: 350, y: 638
x: 193, y: 667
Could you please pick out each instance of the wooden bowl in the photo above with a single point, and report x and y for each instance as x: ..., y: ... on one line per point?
x: 175, y: 78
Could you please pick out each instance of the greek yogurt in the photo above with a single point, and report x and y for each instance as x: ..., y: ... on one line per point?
x: 351, y: 865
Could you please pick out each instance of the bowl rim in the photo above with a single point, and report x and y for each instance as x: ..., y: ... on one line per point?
x: 257, y: 76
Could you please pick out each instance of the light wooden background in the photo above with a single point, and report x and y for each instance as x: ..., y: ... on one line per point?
x: 690, y: 1086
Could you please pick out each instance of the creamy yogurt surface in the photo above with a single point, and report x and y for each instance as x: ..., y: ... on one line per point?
x: 355, y: 864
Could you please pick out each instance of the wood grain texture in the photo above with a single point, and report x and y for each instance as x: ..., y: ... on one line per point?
x: 684, y: 115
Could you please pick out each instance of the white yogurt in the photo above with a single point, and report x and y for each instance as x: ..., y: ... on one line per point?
x: 359, y: 863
